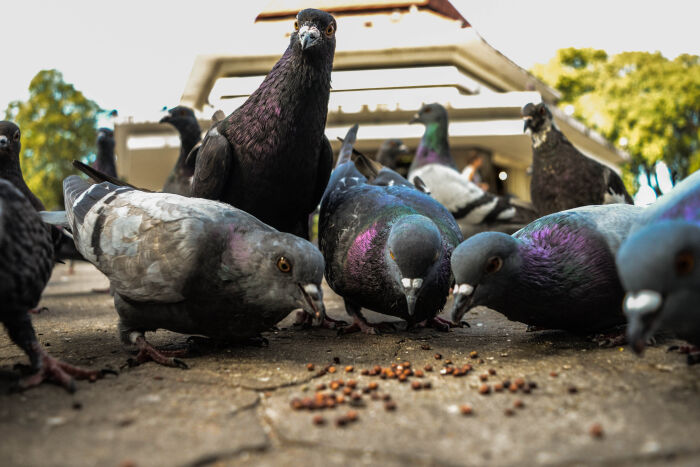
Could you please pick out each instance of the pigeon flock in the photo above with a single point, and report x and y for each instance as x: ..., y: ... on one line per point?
x: 224, y: 252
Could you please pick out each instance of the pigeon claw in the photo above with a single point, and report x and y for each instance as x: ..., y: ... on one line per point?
x: 162, y: 357
x: 59, y: 372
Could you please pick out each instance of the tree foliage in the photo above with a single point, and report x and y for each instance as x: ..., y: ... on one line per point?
x: 642, y: 99
x: 58, y: 124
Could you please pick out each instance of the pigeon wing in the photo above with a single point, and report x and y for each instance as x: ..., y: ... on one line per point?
x: 213, y: 161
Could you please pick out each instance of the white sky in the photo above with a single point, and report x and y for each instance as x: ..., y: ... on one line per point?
x: 135, y: 56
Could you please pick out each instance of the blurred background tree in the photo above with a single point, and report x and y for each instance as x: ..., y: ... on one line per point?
x: 58, y: 124
x: 643, y: 102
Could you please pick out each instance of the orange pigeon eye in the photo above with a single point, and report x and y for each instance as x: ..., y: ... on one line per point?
x: 494, y: 264
x: 684, y: 263
x: 330, y: 30
x: 296, y: 25
x: 284, y: 265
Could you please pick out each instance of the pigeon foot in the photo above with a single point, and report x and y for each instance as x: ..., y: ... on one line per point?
x: 162, y: 357
x: 59, y: 372
x: 305, y: 321
x: 692, y: 351
x: 362, y: 325
x: 37, y: 310
x: 440, y: 324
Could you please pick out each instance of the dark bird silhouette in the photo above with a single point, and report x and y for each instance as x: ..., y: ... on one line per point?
x: 270, y: 157
x: 659, y: 265
x: 190, y: 265
x: 106, y: 161
x: 387, y: 246
x: 185, y: 122
x: 558, y: 272
x: 562, y: 177
x: 26, y: 250
x: 467, y: 202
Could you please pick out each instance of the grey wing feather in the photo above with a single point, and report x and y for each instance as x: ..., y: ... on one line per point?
x: 213, y: 162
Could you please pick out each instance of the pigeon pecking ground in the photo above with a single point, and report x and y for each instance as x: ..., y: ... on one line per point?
x: 232, y: 406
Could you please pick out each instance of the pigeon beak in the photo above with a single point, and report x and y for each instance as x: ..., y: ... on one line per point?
x: 415, y: 119
x: 313, y: 302
x: 403, y: 149
x: 527, y: 126
x: 462, y: 301
x: 166, y: 118
x: 641, y: 308
x: 309, y: 36
x: 411, y: 289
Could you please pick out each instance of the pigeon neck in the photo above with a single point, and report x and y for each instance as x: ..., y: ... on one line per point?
x: 434, y: 147
x: 547, y: 137
x: 189, y: 137
x: 13, y: 174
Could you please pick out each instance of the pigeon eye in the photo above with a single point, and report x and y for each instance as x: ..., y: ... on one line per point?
x: 542, y: 110
x: 330, y: 30
x: 427, y: 110
x: 684, y: 263
x: 181, y: 113
x: 15, y: 137
x: 391, y: 253
x: 284, y: 265
x: 296, y: 25
x: 494, y: 264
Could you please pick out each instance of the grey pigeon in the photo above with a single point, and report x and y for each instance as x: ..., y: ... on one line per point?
x: 558, y: 272
x: 185, y: 122
x: 562, y: 177
x: 190, y: 265
x: 26, y: 250
x: 395, y: 155
x: 659, y: 266
x: 387, y: 246
x: 270, y: 157
x: 467, y: 202
x: 106, y: 161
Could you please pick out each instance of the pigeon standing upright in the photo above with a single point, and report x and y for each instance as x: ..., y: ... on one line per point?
x: 562, y: 177
x: 434, y: 164
x: 185, y: 122
x: 659, y: 265
x: 190, y: 265
x: 270, y: 157
x: 558, y: 272
x: 387, y: 247
x: 394, y: 154
x: 106, y: 161
x: 26, y: 250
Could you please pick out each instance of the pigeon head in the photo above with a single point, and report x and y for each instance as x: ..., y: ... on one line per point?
x: 414, y: 248
x: 105, y: 139
x: 482, y: 267
x: 314, y: 32
x: 9, y: 142
x: 180, y: 117
x: 430, y: 113
x: 391, y: 152
x: 659, y: 266
x: 537, y: 118
x: 284, y: 272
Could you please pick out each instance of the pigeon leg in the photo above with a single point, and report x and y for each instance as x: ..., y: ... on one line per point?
x: 305, y: 320
x: 44, y: 366
x: 147, y: 352
x: 692, y: 351
x: 71, y: 267
x: 360, y: 323
x: 614, y: 338
x: 37, y: 310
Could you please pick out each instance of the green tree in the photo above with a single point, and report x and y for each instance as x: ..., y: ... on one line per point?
x: 648, y: 102
x: 58, y: 124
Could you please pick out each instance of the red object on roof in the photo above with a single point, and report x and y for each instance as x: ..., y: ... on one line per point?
x: 278, y: 9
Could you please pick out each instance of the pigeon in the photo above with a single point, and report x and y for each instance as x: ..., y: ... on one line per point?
x: 394, y: 154
x: 558, y: 272
x: 270, y: 157
x: 26, y: 248
x: 11, y: 171
x: 659, y: 266
x: 562, y: 177
x: 434, y: 164
x: 185, y: 122
x: 190, y: 265
x: 387, y: 246
x: 106, y: 161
